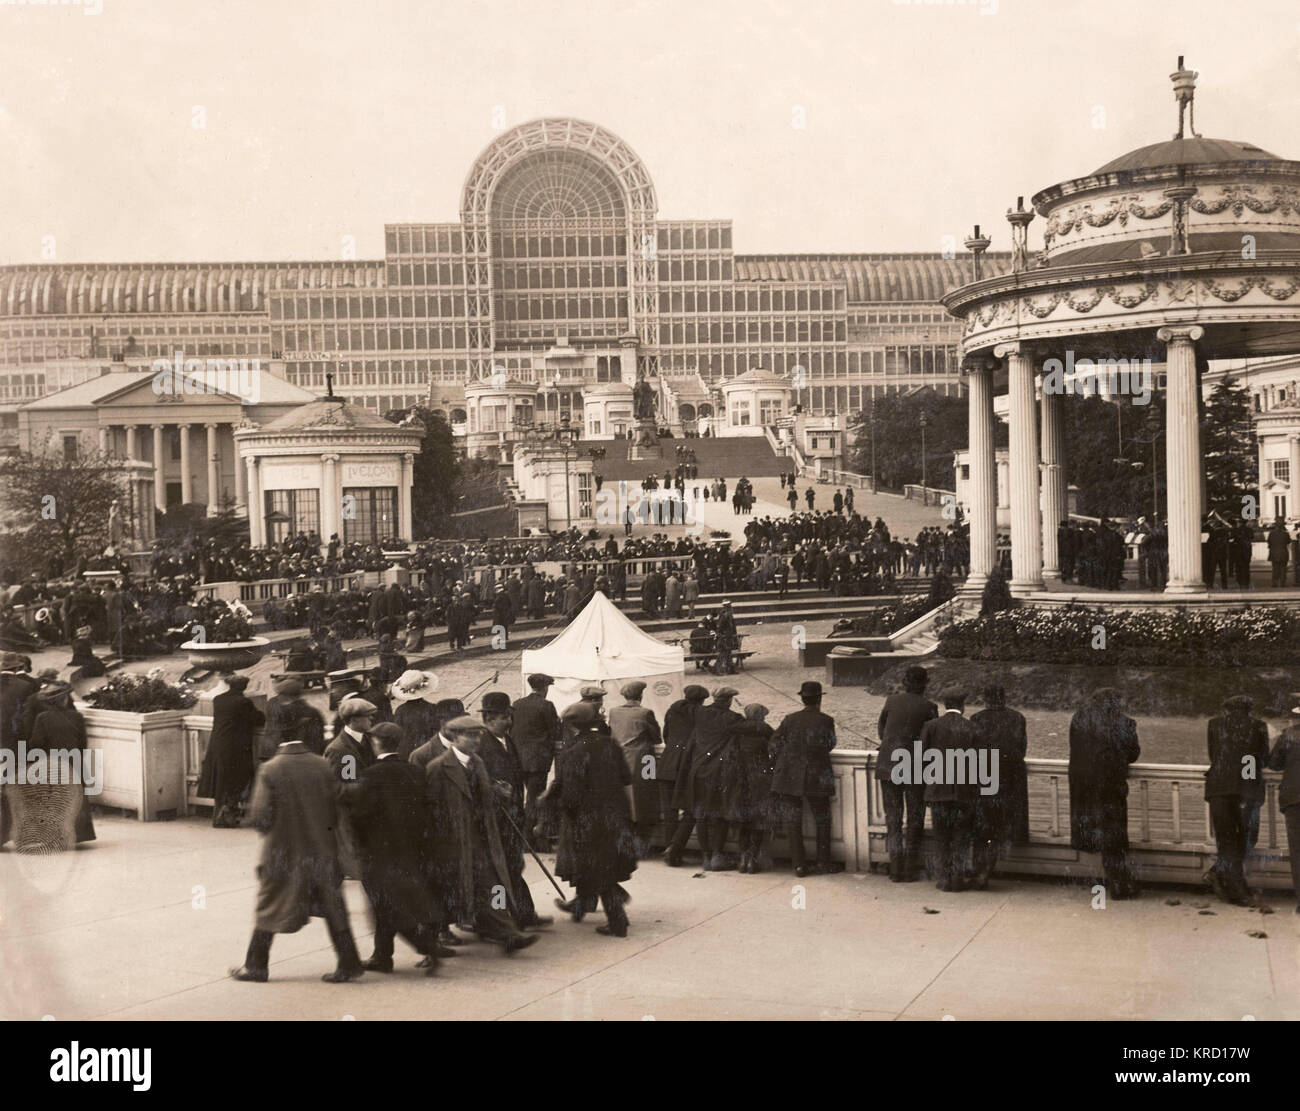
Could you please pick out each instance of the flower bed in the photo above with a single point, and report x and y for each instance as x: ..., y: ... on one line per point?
x: 1250, y: 636
x: 140, y: 694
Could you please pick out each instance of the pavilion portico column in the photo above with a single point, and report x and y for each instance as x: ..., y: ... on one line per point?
x: 187, y: 485
x: 159, y: 486
x: 1183, y: 463
x: 330, y: 504
x: 983, y: 475
x: 130, y: 441
x: 406, y: 479
x: 1053, y: 497
x: 103, y: 439
x: 1026, y: 516
x: 1293, y: 481
x: 214, y: 458
x: 256, y: 525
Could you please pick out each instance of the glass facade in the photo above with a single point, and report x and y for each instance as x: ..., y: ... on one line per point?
x: 559, y: 241
x: 370, y: 514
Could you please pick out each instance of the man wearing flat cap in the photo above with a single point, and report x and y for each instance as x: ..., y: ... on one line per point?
x: 468, y: 859
x: 349, y: 754
x: 594, y: 695
x: 636, y: 730
x: 444, y: 711
x: 500, y: 757
x: 800, y: 751
x: 1234, y: 790
x: 536, y: 733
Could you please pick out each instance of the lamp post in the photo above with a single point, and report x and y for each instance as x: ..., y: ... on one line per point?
x: 925, y: 492
x: 565, y: 435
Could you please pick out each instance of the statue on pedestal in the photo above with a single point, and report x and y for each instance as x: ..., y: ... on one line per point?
x: 643, y: 400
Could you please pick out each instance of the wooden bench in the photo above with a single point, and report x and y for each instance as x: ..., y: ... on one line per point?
x: 308, y: 679
x: 705, y: 660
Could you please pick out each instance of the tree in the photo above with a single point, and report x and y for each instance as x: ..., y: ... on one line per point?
x: 57, y: 507
x: 895, y: 421
x: 443, y: 482
x: 1228, y: 448
x: 1109, y: 454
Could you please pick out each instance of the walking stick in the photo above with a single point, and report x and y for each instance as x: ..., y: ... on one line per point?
x: 531, y: 852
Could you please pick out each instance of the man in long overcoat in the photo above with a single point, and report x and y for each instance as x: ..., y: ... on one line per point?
x: 636, y: 730
x: 1001, y: 818
x: 469, y: 862
x: 801, y: 772
x: 536, y: 732
x: 679, y: 727
x: 295, y: 808
x: 951, y: 800
x: 901, y: 719
x: 1234, y: 789
x: 1103, y: 743
x: 349, y: 754
x: 501, y: 758
x: 389, y: 810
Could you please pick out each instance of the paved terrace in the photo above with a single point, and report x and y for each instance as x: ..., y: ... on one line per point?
x: 116, y: 930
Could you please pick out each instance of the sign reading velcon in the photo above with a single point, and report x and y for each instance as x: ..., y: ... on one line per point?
x: 378, y: 473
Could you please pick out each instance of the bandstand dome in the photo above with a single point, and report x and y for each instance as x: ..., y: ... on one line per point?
x: 1173, y: 254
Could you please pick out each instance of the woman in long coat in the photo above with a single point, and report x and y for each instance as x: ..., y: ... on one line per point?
x: 1001, y: 819
x: 748, y: 772
x: 1103, y: 743
x: 597, y: 849
x: 229, y: 763
x: 53, y: 816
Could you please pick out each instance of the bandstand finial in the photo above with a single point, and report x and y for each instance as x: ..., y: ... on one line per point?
x: 1184, y: 81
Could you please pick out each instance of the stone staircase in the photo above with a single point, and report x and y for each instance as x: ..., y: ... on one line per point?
x: 727, y: 457
x: 921, y: 637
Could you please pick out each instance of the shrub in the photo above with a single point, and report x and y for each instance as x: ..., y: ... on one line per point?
x: 1107, y: 638
x: 140, y: 694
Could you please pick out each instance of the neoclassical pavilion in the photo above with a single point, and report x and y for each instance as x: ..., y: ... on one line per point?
x: 1180, y: 252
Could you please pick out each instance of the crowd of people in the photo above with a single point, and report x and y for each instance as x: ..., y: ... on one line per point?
x: 437, y: 809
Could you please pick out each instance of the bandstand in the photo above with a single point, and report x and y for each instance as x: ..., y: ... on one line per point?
x: 1180, y: 252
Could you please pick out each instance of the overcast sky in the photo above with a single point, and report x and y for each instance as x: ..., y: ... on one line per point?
x: 327, y: 119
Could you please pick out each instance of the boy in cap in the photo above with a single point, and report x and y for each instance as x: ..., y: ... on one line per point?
x: 636, y: 730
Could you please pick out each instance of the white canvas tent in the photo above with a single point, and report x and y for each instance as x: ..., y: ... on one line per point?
x: 603, y: 646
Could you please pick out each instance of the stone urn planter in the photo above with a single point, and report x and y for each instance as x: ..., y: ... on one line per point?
x: 234, y: 655
x: 141, y: 759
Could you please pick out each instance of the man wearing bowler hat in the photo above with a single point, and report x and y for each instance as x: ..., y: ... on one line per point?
x: 444, y: 710
x: 801, y: 760
x: 497, y: 751
x: 536, y: 733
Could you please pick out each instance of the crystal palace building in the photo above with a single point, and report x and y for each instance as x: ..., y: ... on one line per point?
x: 558, y: 274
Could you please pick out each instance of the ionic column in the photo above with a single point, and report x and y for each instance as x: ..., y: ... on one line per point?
x: 130, y: 441
x: 214, y: 457
x: 103, y: 439
x: 1054, y: 494
x: 187, y: 490
x: 404, y: 495
x: 330, y: 506
x: 983, y: 476
x: 159, y: 486
x: 256, y: 525
x: 1026, y: 517
x: 1183, y: 463
x: 1293, y: 482
x: 241, y: 480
